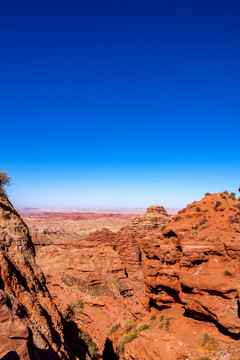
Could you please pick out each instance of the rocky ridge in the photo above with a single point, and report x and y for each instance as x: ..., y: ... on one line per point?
x: 191, y: 274
x: 28, y: 316
x: 100, y: 276
x: 157, y: 289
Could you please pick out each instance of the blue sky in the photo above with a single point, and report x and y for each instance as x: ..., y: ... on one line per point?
x: 119, y: 104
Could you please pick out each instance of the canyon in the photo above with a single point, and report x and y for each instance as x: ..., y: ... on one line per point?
x: 121, y: 286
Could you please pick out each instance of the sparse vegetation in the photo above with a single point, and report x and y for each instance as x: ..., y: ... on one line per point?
x: 177, y: 218
x: 227, y: 273
x: 204, y: 227
x: 226, y: 192
x: 142, y: 327
x: 92, y: 347
x: 217, y: 204
x: 4, y: 180
x: 153, y: 317
x: 125, y: 340
x: 232, y: 196
x: 129, y: 324
x: 161, y: 317
x: 234, y: 219
x: 114, y: 329
x: 80, y: 304
x: 198, y: 209
x: 207, y: 194
x: 70, y: 310
x: 208, y: 343
x: 167, y: 322
x: 223, y: 196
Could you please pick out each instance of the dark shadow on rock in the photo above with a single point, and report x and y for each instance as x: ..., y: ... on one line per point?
x: 202, y: 317
x: 8, y: 208
x: 44, y: 354
x: 108, y: 352
x: 75, y: 346
x: 11, y: 355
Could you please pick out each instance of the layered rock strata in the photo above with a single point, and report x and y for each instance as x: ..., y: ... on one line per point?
x: 100, y: 277
x: 28, y: 316
x: 191, y: 274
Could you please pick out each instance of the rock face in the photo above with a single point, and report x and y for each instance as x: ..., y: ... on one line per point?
x: 195, y: 261
x: 14, y: 335
x: 153, y: 218
x: 191, y: 269
x: 28, y: 316
x: 157, y: 289
x: 100, y: 277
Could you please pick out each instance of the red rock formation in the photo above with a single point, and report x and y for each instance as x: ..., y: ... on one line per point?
x: 194, y: 261
x: 185, y: 271
x: 14, y: 335
x: 100, y: 276
x: 191, y: 273
x: 26, y: 305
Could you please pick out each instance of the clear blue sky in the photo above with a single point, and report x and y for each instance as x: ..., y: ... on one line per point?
x: 119, y: 103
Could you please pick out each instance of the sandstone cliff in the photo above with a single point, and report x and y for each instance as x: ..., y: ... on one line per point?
x: 191, y: 274
x: 97, y: 281
x: 157, y: 289
x: 30, y: 324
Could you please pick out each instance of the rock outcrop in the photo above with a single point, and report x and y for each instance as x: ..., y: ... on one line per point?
x: 15, y: 339
x: 100, y: 277
x: 157, y: 289
x: 28, y: 316
x: 191, y: 274
x: 195, y: 261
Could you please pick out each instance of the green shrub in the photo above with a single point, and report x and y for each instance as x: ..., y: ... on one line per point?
x: 129, y: 324
x: 198, y: 209
x: 142, y: 327
x: 207, y: 194
x: 161, y: 325
x: 227, y: 273
x: 223, y: 196
x: 204, y: 227
x: 232, y: 196
x: 92, y: 347
x: 153, y: 317
x: 161, y: 317
x: 4, y: 180
x: 167, y: 322
x: 113, y: 329
x: 126, y: 339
